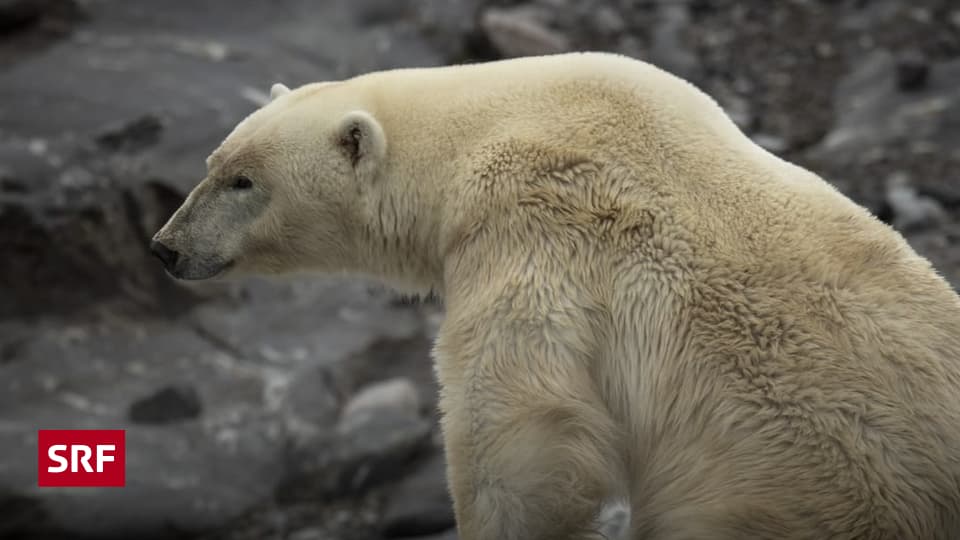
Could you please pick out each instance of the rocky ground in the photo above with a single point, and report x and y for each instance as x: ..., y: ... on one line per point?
x: 303, y: 409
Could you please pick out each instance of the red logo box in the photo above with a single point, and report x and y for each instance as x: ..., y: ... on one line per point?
x: 81, y: 458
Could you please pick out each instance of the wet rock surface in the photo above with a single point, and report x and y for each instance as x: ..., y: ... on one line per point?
x: 305, y: 408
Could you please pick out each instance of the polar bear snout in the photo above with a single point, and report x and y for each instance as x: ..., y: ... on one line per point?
x: 166, y: 255
x: 186, y: 265
x: 189, y: 268
x: 204, y: 237
x: 184, y: 256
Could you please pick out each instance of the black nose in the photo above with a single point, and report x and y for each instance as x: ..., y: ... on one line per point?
x: 165, y: 254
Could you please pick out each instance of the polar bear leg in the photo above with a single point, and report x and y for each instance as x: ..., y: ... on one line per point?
x: 542, y: 472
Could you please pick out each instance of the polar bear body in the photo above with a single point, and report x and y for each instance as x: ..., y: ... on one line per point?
x: 641, y: 302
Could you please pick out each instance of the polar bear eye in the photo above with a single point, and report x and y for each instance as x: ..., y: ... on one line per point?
x: 242, y: 182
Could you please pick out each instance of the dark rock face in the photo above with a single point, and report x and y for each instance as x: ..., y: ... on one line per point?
x: 306, y: 408
x: 132, y: 136
x: 913, y: 71
x: 82, y: 162
x: 421, y: 504
x: 36, y: 22
x: 169, y: 404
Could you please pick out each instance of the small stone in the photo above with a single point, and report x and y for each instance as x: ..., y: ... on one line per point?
x: 398, y: 395
x: 518, y: 32
x: 911, y: 210
x: 913, y: 71
x: 167, y: 405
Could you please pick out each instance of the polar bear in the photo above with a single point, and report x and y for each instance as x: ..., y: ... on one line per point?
x: 641, y: 303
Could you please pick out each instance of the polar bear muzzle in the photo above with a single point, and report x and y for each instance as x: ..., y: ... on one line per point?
x: 204, y: 237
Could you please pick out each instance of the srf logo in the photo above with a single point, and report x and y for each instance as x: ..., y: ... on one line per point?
x: 81, y: 458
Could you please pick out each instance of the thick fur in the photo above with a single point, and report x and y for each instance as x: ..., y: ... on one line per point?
x: 641, y: 302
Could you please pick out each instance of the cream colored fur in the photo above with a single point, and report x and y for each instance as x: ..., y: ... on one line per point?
x: 641, y: 302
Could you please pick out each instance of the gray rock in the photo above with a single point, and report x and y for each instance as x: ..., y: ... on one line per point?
x: 373, y: 12
x: 311, y: 396
x: 398, y: 395
x: 269, y: 371
x: 78, y: 240
x: 169, y: 404
x: 450, y: 26
x: 877, y: 125
x: 668, y: 48
x: 185, y: 475
x: 132, y: 136
x: 942, y: 246
x: 369, y: 454
x: 870, y: 110
x: 389, y: 358
x: 608, y: 21
x: 310, y: 321
x: 421, y: 504
x: 911, y: 210
x: 521, y: 31
x: 913, y: 71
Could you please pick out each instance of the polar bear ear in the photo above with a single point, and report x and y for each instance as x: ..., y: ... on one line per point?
x: 362, y: 141
x: 277, y: 90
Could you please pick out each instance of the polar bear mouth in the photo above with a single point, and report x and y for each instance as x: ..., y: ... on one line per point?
x: 205, y: 270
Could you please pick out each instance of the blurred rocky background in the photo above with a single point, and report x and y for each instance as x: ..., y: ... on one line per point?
x: 304, y: 409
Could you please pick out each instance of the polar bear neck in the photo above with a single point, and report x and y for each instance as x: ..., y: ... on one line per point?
x: 462, y: 142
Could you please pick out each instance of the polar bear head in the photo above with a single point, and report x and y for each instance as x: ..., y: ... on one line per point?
x: 281, y: 191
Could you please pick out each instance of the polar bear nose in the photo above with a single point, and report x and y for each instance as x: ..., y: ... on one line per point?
x: 166, y: 255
